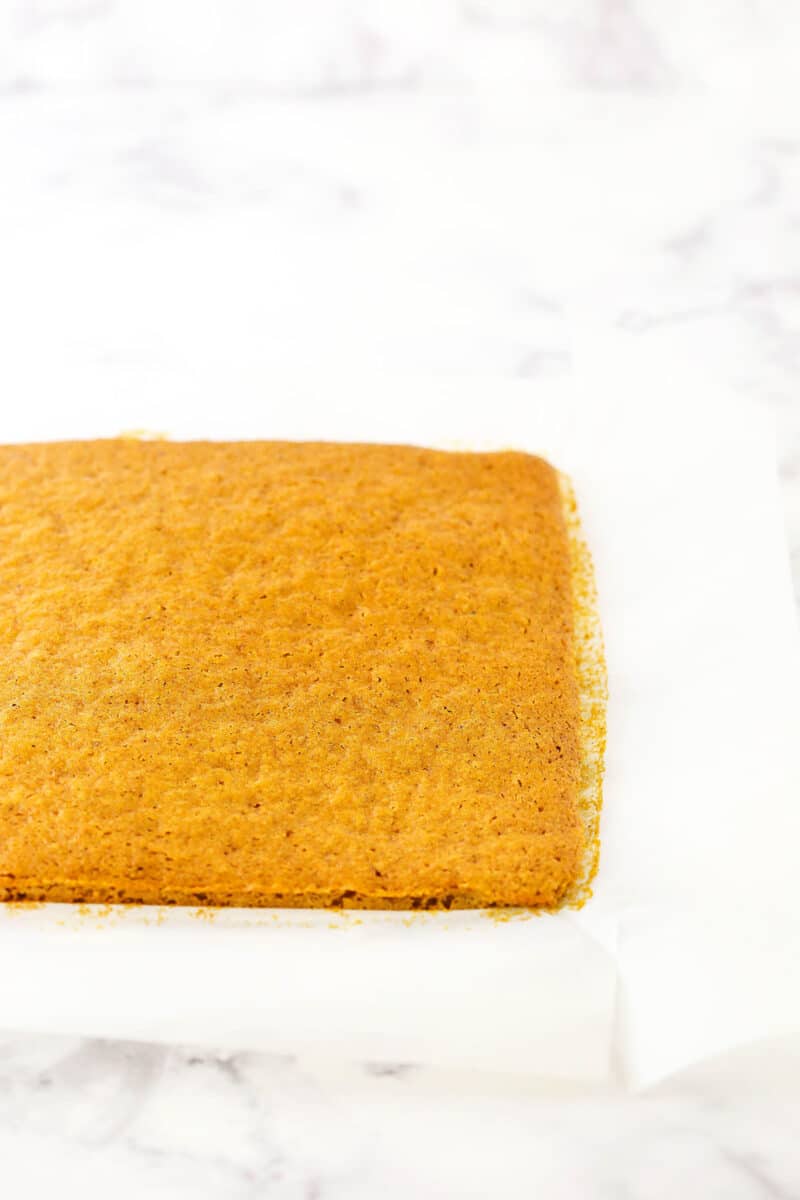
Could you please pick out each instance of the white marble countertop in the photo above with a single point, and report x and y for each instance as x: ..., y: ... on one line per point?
x: 491, y: 186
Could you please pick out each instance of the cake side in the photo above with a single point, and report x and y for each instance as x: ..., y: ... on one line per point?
x: 592, y: 682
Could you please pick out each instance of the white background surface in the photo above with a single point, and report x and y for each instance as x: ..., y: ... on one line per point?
x: 463, y: 189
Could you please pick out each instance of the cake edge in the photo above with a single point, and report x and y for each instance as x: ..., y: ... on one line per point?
x: 592, y: 679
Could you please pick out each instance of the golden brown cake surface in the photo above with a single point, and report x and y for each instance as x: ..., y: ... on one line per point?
x: 285, y: 673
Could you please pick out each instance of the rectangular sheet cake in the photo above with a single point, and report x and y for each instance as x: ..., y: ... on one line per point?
x: 287, y: 674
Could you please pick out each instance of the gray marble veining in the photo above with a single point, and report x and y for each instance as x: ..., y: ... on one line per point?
x: 466, y: 188
x: 145, y: 1119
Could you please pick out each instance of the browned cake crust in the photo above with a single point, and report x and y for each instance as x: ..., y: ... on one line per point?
x: 286, y: 674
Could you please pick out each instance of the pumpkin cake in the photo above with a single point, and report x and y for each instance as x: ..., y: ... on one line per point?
x: 290, y: 674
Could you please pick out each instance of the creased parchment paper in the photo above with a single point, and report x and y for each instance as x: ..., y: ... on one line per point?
x: 690, y: 945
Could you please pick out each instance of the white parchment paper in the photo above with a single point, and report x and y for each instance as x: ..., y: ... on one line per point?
x: 691, y: 943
